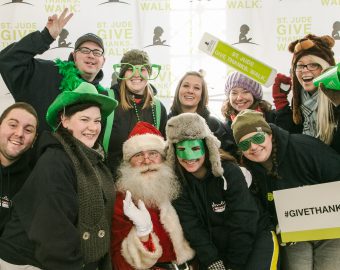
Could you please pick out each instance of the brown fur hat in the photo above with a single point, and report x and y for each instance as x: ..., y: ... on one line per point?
x: 190, y: 126
x: 319, y: 46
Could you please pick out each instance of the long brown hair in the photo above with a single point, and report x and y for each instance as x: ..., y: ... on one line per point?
x: 176, y: 107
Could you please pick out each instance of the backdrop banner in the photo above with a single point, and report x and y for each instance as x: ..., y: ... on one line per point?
x: 170, y: 32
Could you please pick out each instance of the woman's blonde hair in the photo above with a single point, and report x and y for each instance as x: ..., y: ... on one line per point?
x: 325, y: 119
x: 126, y: 97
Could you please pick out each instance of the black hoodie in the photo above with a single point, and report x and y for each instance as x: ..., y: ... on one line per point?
x: 12, y: 178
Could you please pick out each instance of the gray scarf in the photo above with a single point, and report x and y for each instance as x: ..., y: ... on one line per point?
x: 309, y: 111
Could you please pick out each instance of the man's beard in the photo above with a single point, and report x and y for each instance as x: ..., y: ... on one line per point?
x: 158, y: 185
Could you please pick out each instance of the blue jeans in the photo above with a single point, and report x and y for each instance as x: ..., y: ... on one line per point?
x: 312, y: 255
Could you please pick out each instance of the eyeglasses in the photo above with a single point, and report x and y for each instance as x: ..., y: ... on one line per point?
x: 86, y: 50
x: 310, y: 67
x: 152, y: 155
x: 147, y: 72
x: 258, y: 138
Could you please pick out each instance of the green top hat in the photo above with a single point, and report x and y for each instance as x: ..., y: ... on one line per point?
x: 85, y: 92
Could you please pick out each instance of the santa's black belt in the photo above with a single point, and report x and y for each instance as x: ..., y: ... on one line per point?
x: 171, y: 266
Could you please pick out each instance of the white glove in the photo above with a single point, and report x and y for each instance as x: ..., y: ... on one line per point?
x: 247, y: 176
x: 140, y: 216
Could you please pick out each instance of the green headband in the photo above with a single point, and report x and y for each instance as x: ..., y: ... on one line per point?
x: 190, y: 149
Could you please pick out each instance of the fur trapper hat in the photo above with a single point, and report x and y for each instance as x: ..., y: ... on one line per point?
x: 190, y: 126
x: 143, y: 137
x: 320, y: 47
x: 134, y: 57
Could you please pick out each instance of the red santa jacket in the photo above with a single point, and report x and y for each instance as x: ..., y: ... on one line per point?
x: 128, y: 252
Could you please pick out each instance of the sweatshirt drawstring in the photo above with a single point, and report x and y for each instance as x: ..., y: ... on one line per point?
x: 225, y: 185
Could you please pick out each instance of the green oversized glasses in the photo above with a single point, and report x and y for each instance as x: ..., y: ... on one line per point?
x: 258, y: 138
x: 146, y: 71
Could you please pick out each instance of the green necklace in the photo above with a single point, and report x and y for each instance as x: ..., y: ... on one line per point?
x: 137, y: 112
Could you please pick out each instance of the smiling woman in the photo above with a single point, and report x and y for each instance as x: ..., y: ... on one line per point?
x: 311, y: 112
x: 279, y: 160
x: 218, y: 214
x: 192, y: 96
x: 69, y: 175
x: 137, y: 101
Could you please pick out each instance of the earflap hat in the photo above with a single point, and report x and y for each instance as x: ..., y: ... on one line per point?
x: 191, y: 126
x: 320, y: 49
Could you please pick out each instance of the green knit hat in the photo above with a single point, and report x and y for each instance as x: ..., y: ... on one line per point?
x: 85, y: 92
x: 134, y: 57
x: 248, y: 121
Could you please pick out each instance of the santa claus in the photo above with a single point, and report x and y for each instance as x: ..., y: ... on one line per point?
x: 146, y: 233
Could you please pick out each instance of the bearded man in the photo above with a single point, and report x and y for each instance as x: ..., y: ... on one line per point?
x: 146, y: 233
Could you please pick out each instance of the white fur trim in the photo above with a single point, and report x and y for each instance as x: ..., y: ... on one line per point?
x: 136, y: 254
x: 322, y: 62
x: 143, y: 142
x: 170, y: 221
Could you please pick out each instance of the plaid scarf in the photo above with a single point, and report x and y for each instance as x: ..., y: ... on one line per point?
x: 309, y: 111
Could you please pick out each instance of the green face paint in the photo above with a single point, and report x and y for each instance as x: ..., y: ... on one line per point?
x: 190, y: 149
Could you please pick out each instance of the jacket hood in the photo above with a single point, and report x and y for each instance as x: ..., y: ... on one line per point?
x: 46, y: 140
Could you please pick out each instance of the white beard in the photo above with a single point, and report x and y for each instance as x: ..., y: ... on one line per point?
x: 153, y: 188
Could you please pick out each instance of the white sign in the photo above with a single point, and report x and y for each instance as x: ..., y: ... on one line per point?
x: 309, y: 212
x: 237, y: 59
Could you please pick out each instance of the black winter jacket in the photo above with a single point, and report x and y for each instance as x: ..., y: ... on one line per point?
x: 33, y: 80
x: 42, y: 231
x: 302, y: 160
x: 284, y: 120
x: 219, y: 224
x: 12, y: 178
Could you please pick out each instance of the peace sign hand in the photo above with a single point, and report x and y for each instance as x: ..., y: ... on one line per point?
x: 55, y: 24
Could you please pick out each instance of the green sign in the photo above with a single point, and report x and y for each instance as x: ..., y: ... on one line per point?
x: 237, y: 59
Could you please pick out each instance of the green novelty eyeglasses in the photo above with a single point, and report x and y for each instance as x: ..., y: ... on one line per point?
x: 258, y: 138
x: 147, y: 72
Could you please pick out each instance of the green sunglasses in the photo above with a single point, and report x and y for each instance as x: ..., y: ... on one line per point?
x: 147, y: 72
x: 258, y: 138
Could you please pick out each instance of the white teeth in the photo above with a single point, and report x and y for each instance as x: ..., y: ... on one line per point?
x: 15, y: 142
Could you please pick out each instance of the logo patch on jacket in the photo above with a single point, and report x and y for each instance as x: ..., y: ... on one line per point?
x: 5, y: 202
x: 218, y: 207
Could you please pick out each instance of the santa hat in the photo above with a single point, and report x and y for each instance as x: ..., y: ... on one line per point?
x: 143, y: 137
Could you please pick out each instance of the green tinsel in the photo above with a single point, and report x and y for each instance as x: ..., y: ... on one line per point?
x: 71, y: 76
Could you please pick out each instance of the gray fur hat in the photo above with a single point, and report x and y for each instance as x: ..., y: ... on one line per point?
x: 190, y: 126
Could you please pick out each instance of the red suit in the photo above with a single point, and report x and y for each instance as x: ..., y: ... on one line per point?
x: 166, y: 243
